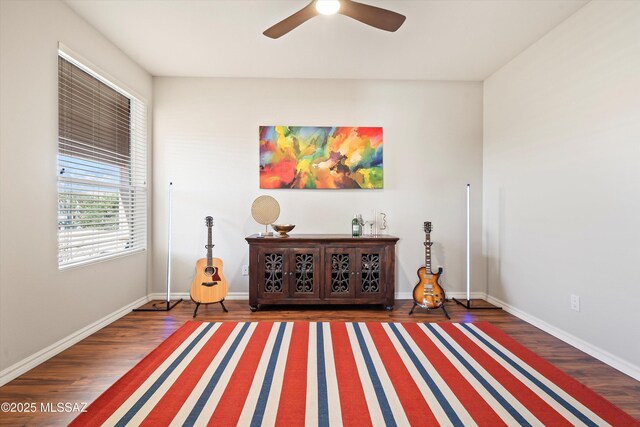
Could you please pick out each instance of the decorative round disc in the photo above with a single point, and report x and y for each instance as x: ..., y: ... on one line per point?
x: 265, y: 210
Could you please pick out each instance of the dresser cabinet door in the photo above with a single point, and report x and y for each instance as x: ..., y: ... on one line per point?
x: 370, y: 273
x: 304, y: 273
x: 272, y: 278
x: 339, y: 273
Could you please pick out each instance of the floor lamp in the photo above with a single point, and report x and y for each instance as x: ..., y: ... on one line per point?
x: 166, y: 305
x: 467, y: 304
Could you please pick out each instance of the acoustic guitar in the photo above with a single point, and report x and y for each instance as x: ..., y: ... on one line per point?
x: 209, y: 285
x: 428, y: 293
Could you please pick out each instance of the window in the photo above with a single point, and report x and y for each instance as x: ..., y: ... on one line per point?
x: 102, y: 153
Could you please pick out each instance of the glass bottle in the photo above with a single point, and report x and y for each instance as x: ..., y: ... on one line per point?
x: 355, y: 227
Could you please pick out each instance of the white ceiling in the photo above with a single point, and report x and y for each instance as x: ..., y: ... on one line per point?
x: 440, y: 40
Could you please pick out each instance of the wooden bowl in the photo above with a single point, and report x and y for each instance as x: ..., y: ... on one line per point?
x: 283, y: 229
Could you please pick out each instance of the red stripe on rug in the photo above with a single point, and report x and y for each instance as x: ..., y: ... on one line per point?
x: 596, y: 403
x: 293, y: 397
x: 473, y: 402
x: 102, y: 408
x: 529, y: 399
x: 233, y: 399
x: 415, y: 407
x: 167, y: 408
x: 353, y: 403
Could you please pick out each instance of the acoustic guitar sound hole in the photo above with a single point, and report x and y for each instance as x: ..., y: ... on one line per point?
x: 208, y: 271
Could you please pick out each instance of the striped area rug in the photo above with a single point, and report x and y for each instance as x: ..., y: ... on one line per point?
x: 357, y: 374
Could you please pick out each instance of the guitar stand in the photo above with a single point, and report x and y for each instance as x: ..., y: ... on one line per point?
x: 198, y: 305
x: 415, y: 304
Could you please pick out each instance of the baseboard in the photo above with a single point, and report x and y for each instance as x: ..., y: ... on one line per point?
x: 245, y: 295
x: 462, y: 296
x: 186, y: 296
x: 34, y: 360
x: 602, y: 355
x: 449, y: 295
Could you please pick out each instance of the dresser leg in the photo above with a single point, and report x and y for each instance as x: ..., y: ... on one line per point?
x: 253, y: 308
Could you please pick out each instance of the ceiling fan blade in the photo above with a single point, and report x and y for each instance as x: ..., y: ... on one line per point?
x: 288, y: 24
x: 371, y: 15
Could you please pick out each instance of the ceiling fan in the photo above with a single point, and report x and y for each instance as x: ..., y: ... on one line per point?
x: 371, y: 15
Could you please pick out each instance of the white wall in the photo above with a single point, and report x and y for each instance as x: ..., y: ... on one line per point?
x: 562, y: 181
x: 206, y: 142
x: 40, y: 305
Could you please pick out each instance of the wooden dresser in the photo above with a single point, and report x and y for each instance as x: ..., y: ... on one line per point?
x: 321, y: 269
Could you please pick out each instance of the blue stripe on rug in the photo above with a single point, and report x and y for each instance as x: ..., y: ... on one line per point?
x: 496, y: 395
x: 375, y: 380
x: 206, y: 393
x: 162, y: 378
x: 323, y: 400
x: 569, y: 407
x: 261, y: 405
x: 444, y: 403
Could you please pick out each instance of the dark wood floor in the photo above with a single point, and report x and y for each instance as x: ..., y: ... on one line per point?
x: 84, y: 371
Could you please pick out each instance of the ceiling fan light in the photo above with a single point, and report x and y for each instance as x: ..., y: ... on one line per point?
x: 327, y: 7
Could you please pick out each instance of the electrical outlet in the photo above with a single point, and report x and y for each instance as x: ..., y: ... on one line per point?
x: 245, y: 270
x: 575, y: 302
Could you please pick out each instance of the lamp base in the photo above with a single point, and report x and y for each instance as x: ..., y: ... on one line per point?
x: 468, y: 305
x: 156, y: 306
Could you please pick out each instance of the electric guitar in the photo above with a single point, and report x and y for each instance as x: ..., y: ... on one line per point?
x: 428, y: 293
x: 209, y: 285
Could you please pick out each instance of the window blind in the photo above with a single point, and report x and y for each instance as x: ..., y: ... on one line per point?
x: 102, y: 153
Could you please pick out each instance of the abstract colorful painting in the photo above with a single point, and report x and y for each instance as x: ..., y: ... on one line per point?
x: 320, y: 157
